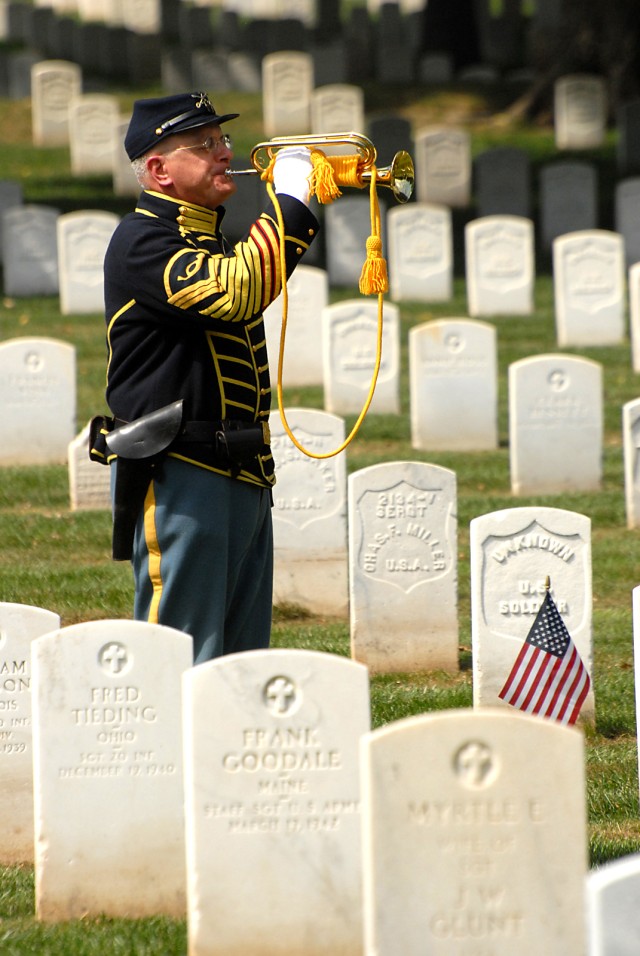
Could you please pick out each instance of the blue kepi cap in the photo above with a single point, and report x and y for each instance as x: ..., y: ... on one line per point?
x: 153, y: 120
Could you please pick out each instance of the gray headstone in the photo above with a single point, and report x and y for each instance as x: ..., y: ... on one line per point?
x: 30, y: 252
x: 272, y: 786
x: 108, y: 776
x: 627, y: 213
x: 10, y: 196
x: 555, y: 425
x: 460, y: 810
x: 628, y: 146
x: 568, y: 199
x: 503, y: 182
x: 403, y: 567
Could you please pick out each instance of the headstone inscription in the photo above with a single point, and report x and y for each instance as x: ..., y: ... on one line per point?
x: 580, y: 111
x: 89, y: 481
x: 568, y: 196
x: 443, y: 166
x: 634, y: 315
x: 420, y: 239
x: 20, y: 624
x: 589, y: 288
x: 107, y: 743
x: 453, y: 385
x: 403, y: 567
x: 555, y: 424
x: 38, y: 398
x: 30, y: 252
x: 272, y: 778
x: 513, y: 551
x: 54, y: 84
x: 307, y: 296
x: 500, y: 265
x: 310, y: 513
x: 459, y: 811
x: 613, y: 916
x: 287, y: 81
x: 350, y: 337
x: 83, y: 238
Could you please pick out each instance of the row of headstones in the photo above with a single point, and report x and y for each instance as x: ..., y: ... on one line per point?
x: 385, y: 42
x: 251, y: 795
x: 46, y: 253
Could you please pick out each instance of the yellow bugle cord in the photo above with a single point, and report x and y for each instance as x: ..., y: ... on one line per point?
x: 373, y: 250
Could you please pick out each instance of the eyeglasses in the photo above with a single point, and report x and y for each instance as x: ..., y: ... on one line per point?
x: 210, y: 144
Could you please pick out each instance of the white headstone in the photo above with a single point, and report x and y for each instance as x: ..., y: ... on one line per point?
x: 420, y: 240
x: 19, y: 625
x: 555, y: 424
x: 89, y: 481
x: 92, y: 119
x: 512, y: 553
x: 38, y: 398
x: 403, y: 567
x: 589, y: 288
x: 310, y: 513
x: 308, y: 294
x: 83, y: 238
x: 443, y: 166
x: 142, y: 16
x: 54, y: 84
x: 337, y: 108
x: 287, y: 83
x: 634, y: 315
x: 474, y: 829
x: 273, y: 803
x: 347, y: 225
x: 500, y: 265
x: 453, y: 383
x: 613, y: 915
x: 108, y: 776
x: 631, y: 452
x: 30, y: 252
x: 580, y: 108
x: 350, y: 333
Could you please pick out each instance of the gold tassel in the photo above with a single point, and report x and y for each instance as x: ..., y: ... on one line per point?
x: 373, y: 278
x: 322, y: 182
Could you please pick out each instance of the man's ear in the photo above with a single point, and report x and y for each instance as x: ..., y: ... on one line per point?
x: 157, y: 170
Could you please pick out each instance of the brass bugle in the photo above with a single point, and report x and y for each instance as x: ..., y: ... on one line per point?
x: 398, y: 176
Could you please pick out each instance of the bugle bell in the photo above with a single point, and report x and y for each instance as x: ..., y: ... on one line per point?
x: 398, y: 176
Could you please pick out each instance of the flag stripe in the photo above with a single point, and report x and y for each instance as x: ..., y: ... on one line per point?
x: 548, y: 677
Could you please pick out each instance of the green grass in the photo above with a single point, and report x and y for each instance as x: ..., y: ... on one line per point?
x: 60, y: 560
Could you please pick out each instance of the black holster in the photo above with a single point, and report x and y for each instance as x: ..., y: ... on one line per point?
x: 139, y: 446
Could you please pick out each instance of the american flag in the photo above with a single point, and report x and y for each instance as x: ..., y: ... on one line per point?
x: 548, y: 677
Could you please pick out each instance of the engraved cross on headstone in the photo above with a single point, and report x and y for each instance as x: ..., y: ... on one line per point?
x: 280, y: 694
x: 113, y: 658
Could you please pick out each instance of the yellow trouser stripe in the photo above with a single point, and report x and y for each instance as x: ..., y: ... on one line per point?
x: 153, y: 548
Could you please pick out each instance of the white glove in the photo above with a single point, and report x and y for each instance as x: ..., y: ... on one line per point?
x: 291, y: 172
